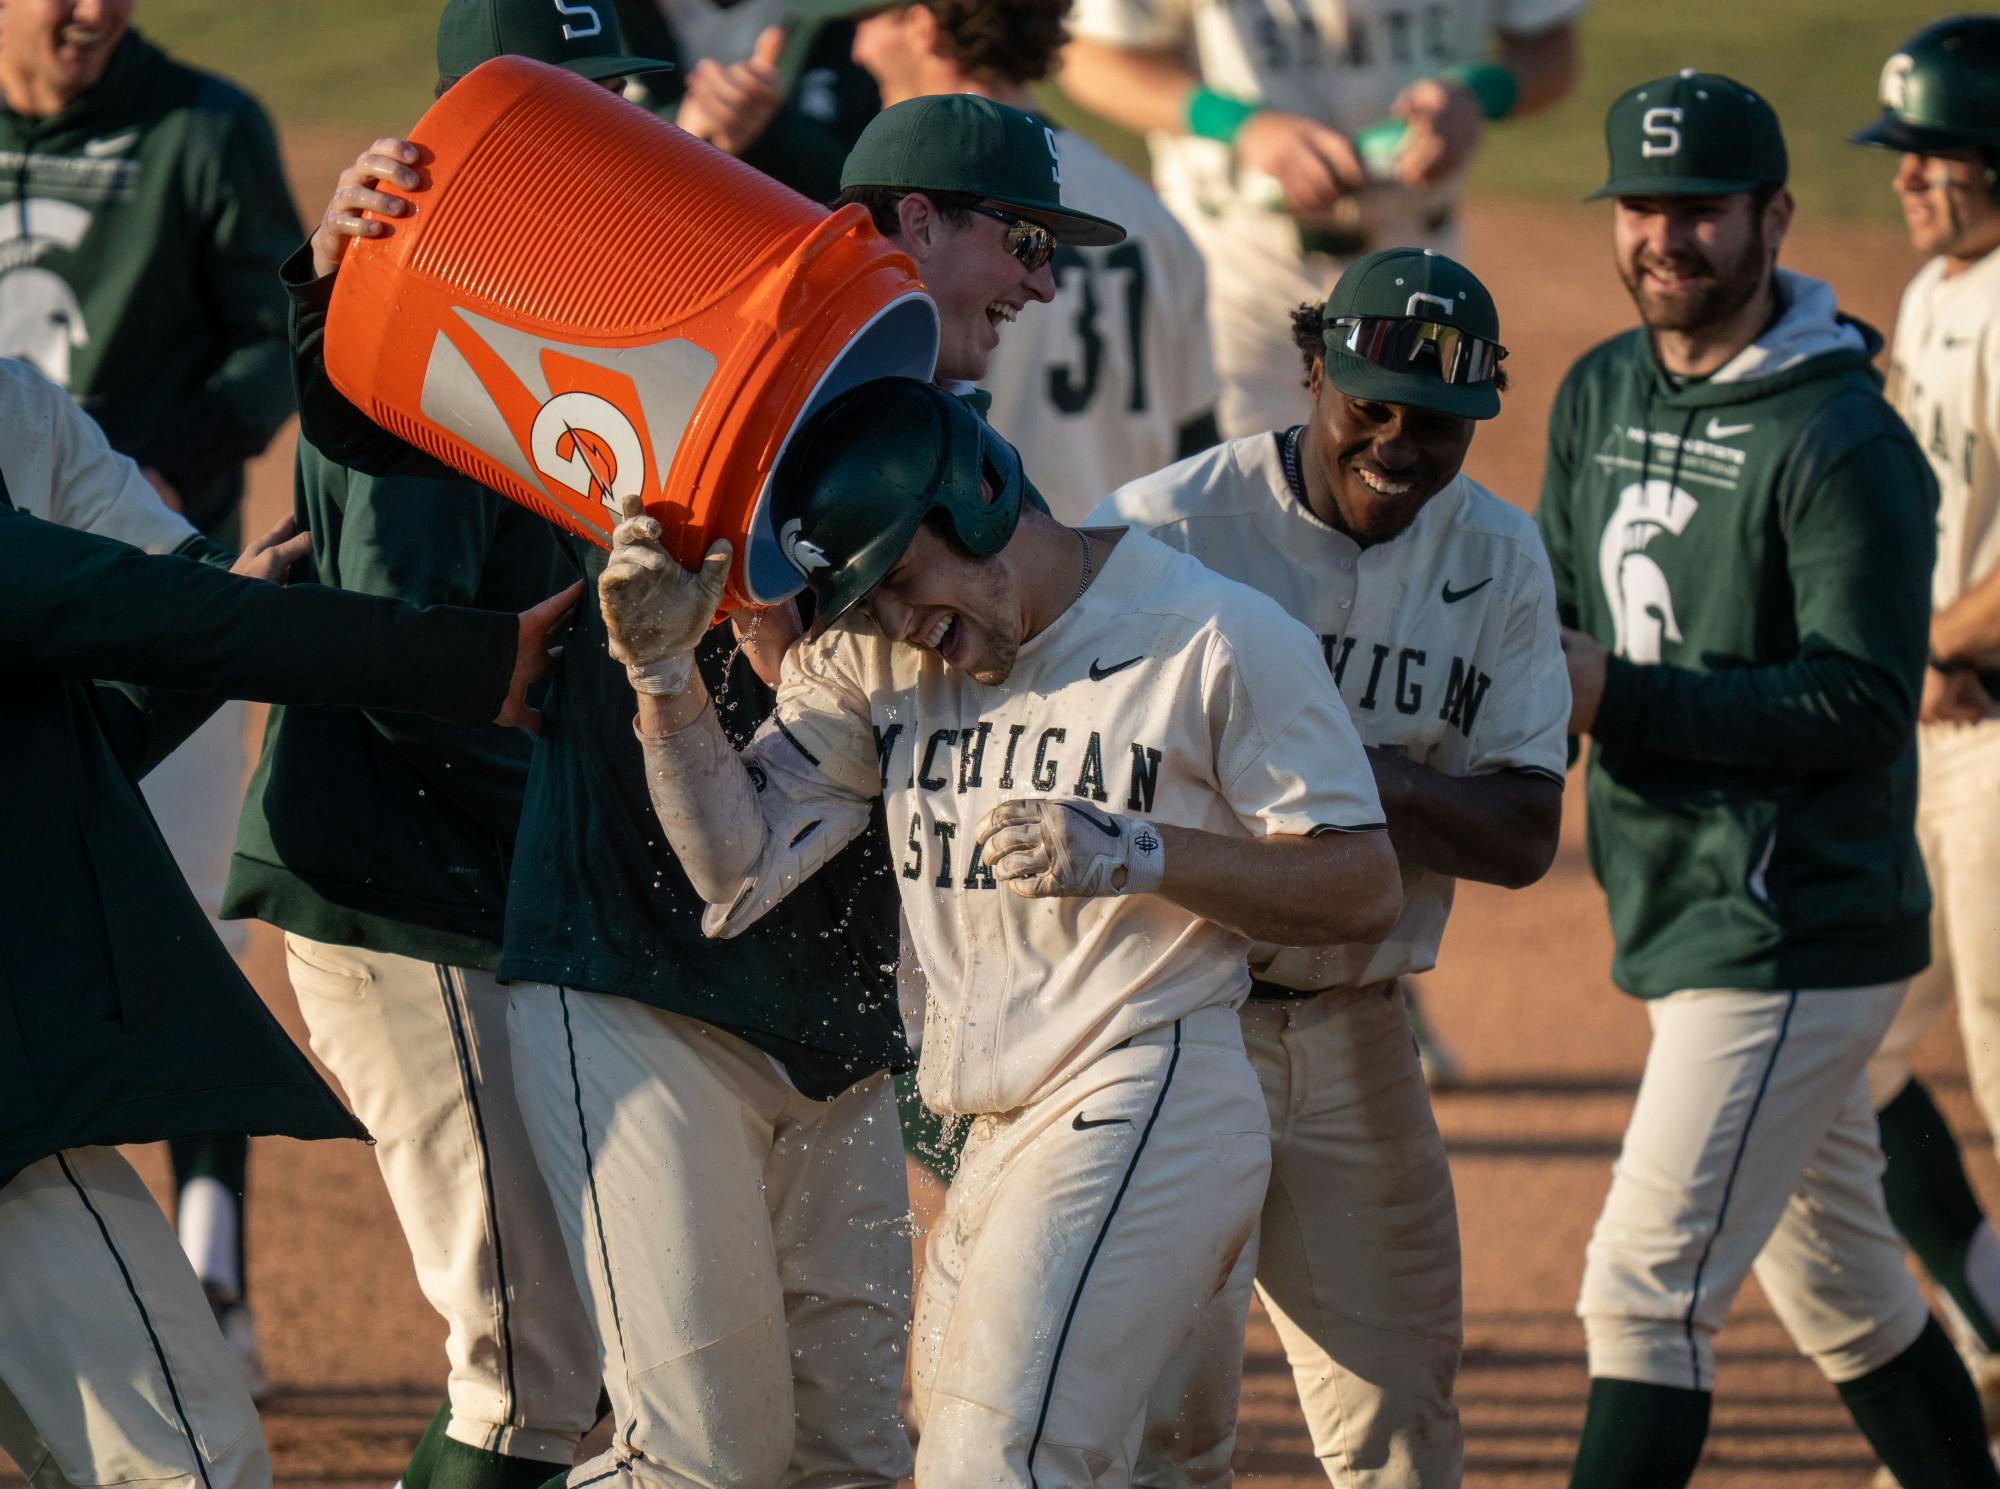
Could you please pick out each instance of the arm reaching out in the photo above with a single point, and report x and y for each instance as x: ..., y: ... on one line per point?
x: 747, y: 829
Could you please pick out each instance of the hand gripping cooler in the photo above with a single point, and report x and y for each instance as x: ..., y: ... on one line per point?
x: 589, y: 303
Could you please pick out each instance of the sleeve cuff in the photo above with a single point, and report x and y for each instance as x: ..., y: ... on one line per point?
x: 1624, y: 685
x: 299, y: 280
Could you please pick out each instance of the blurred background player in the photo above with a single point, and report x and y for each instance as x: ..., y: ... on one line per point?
x: 134, y: 1021
x: 1115, y: 378
x: 1741, y: 531
x: 1940, y: 98
x: 139, y: 246
x: 381, y: 846
x: 786, y: 97
x: 1252, y: 111
x: 1432, y: 600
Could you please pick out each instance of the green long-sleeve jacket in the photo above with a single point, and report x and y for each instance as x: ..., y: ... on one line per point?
x: 141, y: 231
x: 122, y: 1018
x: 383, y: 830
x: 1755, y: 551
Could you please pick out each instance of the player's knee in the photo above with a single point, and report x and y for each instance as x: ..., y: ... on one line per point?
x: 966, y: 1446
x: 1659, y: 1351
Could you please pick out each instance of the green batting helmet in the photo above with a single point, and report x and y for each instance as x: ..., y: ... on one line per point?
x: 1942, y: 90
x: 864, y: 472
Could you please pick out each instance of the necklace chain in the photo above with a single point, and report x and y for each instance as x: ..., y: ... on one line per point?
x: 1083, y: 580
x: 1293, y: 478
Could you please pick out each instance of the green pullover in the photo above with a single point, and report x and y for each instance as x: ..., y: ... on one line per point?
x: 141, y: 229
x: 1755, y: 550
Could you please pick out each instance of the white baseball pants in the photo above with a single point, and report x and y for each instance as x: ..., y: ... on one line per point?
x: 422, y: 1053
x: 1958, y: 828
x: 196, y: 795
x: 111, y: 1367
x: 1082, y: 1239
x: 1356, y: 1259
x: 743, y: 1251
x: 1752, y: 1144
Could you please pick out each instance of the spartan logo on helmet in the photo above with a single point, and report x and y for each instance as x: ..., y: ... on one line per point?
x: 1642, y: 603
x: 805, y: 555
x: 41, y: 319
x: 1896, y: 81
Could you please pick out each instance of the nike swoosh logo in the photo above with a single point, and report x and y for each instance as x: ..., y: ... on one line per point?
x: 1727, y: 431
x: 1102, y: 824
x: 1098, y: 671
x: 1948, y: 340
x: 1453, y: 596
x: 112, y: 144
x: 1083, y: 1125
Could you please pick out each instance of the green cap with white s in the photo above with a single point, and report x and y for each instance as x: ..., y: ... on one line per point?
x: 582, y: 36
x: 964, y: 143
x: 1691, y: 134
x: 1410, y: 326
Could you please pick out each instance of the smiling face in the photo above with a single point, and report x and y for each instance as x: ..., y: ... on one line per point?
x: 1945, y: 203
x: 978, y: 285
x: 967, y: 610
x: 61, y: 46
x: 1370, y: 467
x: 1694, y: 261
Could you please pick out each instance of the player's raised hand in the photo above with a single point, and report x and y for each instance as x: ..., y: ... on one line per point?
x: 731, y: 104
x: 534, y: 657
x: 387, y: 162
x: 655, y: 611
x: 1068, y: 849
x: 1445, y: 123
x: 1314, y: 165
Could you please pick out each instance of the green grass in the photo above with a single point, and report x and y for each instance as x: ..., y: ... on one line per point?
x: 367, y: 64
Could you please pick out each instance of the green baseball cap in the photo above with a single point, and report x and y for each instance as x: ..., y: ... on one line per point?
x: 580, y: 35
x: 960, y: 142
x: 1692, y: 134
x: 1410, y: 326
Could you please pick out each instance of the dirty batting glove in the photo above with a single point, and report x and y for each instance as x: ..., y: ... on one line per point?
x: 1068, y: 849
x: 655, y: 611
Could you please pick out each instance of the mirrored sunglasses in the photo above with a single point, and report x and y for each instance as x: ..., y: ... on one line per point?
x: 1030, y: 242
x: 1404, y: 345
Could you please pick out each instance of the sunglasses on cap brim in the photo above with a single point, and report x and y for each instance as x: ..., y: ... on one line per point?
x: 1399, y: 344
x: 1030, y: 242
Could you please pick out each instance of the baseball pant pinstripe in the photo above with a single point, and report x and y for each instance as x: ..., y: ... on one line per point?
x: 742, y: 1249
x: 111, y: 1368
x: 421, y: 1051
x: 1752, y: 1144
x: 1356, y: 1259
x: 1081, y: 1240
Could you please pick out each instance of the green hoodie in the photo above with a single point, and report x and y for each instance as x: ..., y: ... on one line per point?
x: 141, y: 230
x: 1755, y: 550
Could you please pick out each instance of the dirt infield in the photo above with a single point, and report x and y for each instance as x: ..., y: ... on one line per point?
x: 1551, y: 1052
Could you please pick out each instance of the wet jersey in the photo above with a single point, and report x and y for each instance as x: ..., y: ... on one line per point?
x: 1945, y: 381
x: 1167, y: 693
x: 1097, y: 386
x: 1442, y: 641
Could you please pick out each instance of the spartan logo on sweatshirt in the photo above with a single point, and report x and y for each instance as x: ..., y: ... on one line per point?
x: 41, y: 319
x: 1642, y: 603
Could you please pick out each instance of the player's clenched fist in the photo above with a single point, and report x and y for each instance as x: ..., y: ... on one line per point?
x: 1041, y: 848
x: 655, y: 611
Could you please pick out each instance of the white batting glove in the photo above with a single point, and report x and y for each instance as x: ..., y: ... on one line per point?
x: 655, y: 611
x: 1067, y: 849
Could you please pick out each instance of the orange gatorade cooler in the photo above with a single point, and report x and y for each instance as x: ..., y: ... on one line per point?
x: 589, y: 303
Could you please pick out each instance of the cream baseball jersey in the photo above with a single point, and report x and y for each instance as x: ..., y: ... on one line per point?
x: 1944, y: 379
x: 1443, y: 643
x: 1342, y: 62
x: 1167, y: 693
x: 1099, y: 383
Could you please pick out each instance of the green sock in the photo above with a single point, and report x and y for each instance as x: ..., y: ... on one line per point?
x: 1637, y: 1435
x: 1921, y: 1415
x: 1930, y: 1200
x: 417, y: 1474
x: 927, y: 1137
x: 460, y: 1467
